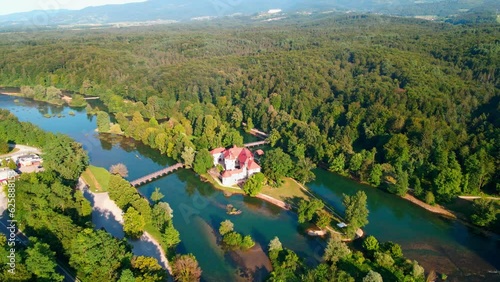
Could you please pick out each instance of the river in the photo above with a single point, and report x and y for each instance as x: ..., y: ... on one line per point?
x: 198, y: 208
x: 446, y: 246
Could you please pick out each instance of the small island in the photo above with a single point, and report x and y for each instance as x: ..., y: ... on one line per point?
x: 231, y: 210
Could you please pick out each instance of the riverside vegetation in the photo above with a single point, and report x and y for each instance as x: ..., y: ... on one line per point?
x: 382, y: 99
x: 57, y: 218
x: 361, y: 102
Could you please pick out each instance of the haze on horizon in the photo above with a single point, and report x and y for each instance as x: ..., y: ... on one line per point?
x: 19, y: 6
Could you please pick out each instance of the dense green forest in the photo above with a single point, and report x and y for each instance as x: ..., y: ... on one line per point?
x: 398, y: 103
x: 57, y: 218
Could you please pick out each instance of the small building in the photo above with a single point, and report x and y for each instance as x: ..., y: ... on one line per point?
x: 29, y: 160
x: 7, y: 174
x: 341, y: 225
x: 259, y: 152
x: 217, y: 154
x: 238, y: 164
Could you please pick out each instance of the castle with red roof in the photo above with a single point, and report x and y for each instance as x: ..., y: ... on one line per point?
x: 238, y: 164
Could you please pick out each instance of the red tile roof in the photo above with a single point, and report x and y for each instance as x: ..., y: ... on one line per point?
x: 217, y: 151
x: 252, y: 165
x: 259, y: 152
x: 245, y: 155
x: 230, y: 173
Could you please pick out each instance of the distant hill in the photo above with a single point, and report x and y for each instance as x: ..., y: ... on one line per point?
x: 183, y: 10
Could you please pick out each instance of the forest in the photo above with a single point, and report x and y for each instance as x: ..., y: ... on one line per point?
x: 57, y: 219
x: 398, y: 103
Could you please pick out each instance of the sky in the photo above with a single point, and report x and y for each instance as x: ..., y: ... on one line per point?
x: 15, y: 6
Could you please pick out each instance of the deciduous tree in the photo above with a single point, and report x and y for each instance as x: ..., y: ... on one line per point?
x: 156, y: 196
x: 120, y: 169
x: 133, y: 224
x: 336, y: 250
x: 356, y: 211
x: 276, y: 165
x: 254, y: 184
x: 203, y: 161
x: 185, y: 268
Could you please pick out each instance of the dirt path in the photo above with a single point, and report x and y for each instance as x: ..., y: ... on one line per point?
x: 92, y: 177
x: 22, y: 150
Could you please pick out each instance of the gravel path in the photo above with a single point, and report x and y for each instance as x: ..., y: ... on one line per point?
x: 104, y: 205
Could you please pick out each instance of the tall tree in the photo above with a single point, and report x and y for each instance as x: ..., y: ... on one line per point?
x: 254, y: 184
x: 103, y: 121
x: 225, y: 227
x: 303, y: 170
x: 4, y: 147
x: 484, y: 212
x: 188, y: 156
x: 336, y: 250
x: 203, y: 161
x: 307, y: 209
x: 373, y: 276
x: 97, y: 256
x: 134, y: 223
x: 41, y: 261
x: 185, y: 268
x: 276, y: 165
x: 356, y: 211
x: 65, y: 157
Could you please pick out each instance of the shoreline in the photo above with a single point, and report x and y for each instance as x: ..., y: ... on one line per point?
x: 437, y: 209
x: 264, y: 197
x: 64, y: 98
x: 116, y: 212
x: 15, y: 94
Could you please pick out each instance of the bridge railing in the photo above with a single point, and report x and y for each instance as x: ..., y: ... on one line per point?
x: 156, y: 174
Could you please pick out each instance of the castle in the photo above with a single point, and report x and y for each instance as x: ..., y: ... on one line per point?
x: 238, y: 164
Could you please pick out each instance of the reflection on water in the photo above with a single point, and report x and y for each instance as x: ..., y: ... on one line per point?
x: 440, y: 244
x: 198, y: 208
x: 437, y: 243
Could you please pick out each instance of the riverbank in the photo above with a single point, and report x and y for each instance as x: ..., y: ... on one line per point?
x: 228, y: 190
x: 437, y: 209
x: 64, y: 99
x: 104, y: 205
x: 291, y: 197
x: 451, y: 214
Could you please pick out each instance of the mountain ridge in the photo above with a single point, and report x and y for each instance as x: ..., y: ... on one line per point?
x: 178, y: 10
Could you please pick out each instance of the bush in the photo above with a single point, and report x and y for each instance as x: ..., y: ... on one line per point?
x: 429, y: 198
x: 4, y: 147
x: 370, y: 244
x: 247, y: 242
x: 225, y: 227
x: 232, y: 239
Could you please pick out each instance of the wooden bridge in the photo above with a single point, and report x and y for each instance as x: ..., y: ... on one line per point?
x: 150, y: 177
x: 254, y: 144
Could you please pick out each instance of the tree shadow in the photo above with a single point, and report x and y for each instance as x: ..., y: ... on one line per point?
x: 104, y: 218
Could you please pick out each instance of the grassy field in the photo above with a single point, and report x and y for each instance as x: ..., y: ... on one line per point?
x: 97, y: 178
x: 288, y: 192
x: 217, y: 186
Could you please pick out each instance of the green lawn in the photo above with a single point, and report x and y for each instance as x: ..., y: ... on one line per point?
x: 289, y: 192
x: 216, y: 185
x: 97, y: 178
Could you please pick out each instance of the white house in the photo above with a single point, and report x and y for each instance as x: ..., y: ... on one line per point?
x: 29, y: 160
x: 7, y: 174
x: 238, y: 164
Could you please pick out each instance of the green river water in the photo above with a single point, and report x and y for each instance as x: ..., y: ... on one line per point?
x: 444, y: 245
